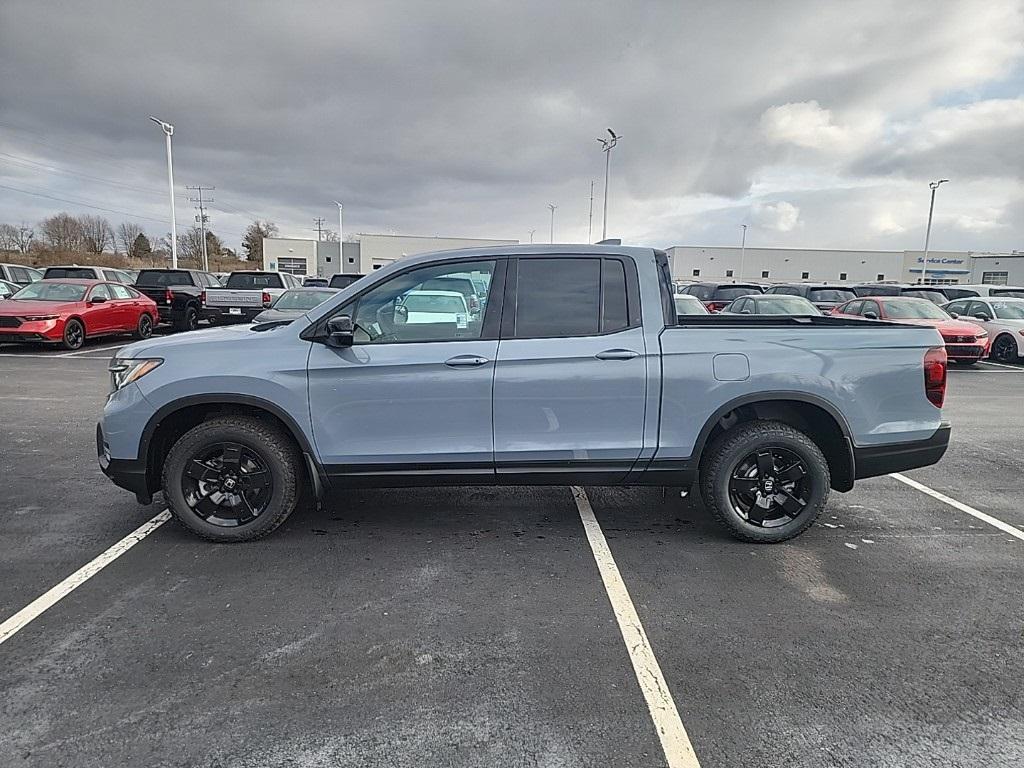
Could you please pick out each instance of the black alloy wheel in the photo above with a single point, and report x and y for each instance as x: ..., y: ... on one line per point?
x: 227, y: 484
x: 1004, y: 349
x: 769, y: 487
x: 74, y: 334
x: 145, y: 327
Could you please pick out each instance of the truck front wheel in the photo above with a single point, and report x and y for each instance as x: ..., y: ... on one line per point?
x: 765, y: 481
x: 233, y: 478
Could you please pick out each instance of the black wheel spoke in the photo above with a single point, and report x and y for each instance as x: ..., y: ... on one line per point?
x: 792, y: 473
x: 744, y: 484
x: 206, y: 508
x: 765, y: 464
x: 232, y: 457
x: 254, y: 481
x: 197, y: 470
x: 791, y: 505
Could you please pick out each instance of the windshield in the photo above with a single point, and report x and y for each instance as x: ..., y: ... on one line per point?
x: 831, y: 294
x: 253, y: 281
x: 161, y: 278
x: 45, y: 290
x: 83, y: 273
x: 689, y: 305
x: 913, y: 309
x: 438, y: 303
x: 730, y: 292
x: 302, y: 299
x: 1009, y: 310
x: 784, y: 305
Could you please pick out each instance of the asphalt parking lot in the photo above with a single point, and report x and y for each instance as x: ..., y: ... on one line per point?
x: 473, y: 626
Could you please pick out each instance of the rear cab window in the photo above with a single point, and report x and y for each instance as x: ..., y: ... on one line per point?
x: 830, y: 294
x: 162, y: 278
x: 732, y: 292
x: 254, y: 281
x: 77, y: 273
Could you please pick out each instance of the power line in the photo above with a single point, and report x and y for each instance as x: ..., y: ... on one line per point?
x: 202, y: 217
x: 27, y: 163
x: 319, y: 227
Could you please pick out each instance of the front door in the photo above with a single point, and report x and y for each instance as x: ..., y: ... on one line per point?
x: 102, y: 316
x: 571, y: 382
x: 413, y: 393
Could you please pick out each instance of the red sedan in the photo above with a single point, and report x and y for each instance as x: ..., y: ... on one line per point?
x: 67, y: 312
x: 965, y: 342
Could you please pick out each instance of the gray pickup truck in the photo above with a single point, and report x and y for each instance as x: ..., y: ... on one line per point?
x: 578, y: 371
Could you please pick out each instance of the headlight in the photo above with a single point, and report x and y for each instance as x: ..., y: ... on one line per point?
x: 982, y: 334
x: 124, y: 372
x: 34, y: 318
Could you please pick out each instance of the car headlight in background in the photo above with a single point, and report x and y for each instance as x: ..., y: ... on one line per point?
x: 35, y: 318
x: 982, y: 334
x: 124, y: 372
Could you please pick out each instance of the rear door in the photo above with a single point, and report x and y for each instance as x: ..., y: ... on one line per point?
x: 570, y: 383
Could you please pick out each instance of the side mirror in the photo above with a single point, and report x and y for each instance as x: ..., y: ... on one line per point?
x: 98, y: 300
x: 340, y: 331
x: 954, y: 315
x: 870, y: 315
x: 745, y: 312
x: 983, y: 317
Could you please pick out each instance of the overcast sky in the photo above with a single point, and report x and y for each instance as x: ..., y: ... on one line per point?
x: 817, y: 123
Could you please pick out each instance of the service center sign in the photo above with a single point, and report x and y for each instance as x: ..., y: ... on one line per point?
x: 937, y: 260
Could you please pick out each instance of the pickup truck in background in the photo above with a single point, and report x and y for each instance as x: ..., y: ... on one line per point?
x: 245, y: 294
x: 178, y: 294
x: 577, y: 371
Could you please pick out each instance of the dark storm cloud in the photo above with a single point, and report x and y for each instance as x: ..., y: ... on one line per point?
x: 456, y: 117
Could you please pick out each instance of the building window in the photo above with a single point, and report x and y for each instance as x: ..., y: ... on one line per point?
x: 995, y: 278
x: 351, y: 260
x: 377, y: 266
x: 842, y: 275
x: 696, y: 273
x: 728, y: 273
x: 804, y: 275
x: 880, y: 278
x: 764, y: 273
x: 327, y: 259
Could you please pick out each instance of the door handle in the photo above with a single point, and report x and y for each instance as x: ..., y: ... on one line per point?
x: 466, y: 361
x: 617, y: 354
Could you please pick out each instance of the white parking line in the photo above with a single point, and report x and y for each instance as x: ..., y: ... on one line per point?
x: 1016, y: 368
x: 91, y: 349
x: 47, y: 600
x: 675, y: 742
x: 985, y: 518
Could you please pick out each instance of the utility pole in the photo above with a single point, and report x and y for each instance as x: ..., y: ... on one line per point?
x: 743, y: 249
x: 168, y: 130
x: 552, y: 206
x: 928, y: 232
x: 607, y: 145
x: 319, y: 227
x: 590, y: 221
x: 202, y: 218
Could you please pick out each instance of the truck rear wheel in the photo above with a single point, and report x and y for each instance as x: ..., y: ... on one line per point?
x: 765, y: 481
x: 189, y: 320
x: 233, y: 478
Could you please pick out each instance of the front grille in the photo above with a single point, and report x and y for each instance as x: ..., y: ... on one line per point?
x: 959, y: 350
x: 10, y: 322
x: 958, y: 339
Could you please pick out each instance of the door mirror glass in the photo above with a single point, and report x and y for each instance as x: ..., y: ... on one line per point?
x: 340, y: 331
x: 871, y: 315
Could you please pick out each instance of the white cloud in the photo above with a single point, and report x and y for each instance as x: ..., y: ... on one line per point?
x: 780, y: 216
x: 806, y: 124
x: 983, y: 222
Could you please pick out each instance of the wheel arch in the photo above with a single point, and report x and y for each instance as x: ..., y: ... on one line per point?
x: 176, y: 418
x: 819, y: 419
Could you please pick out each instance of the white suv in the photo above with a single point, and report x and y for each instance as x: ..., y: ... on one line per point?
x: 1003, y: 318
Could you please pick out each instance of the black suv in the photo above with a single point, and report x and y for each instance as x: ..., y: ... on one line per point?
x: 822, y: 295
x: 930, y: 292
x: 717, y: 296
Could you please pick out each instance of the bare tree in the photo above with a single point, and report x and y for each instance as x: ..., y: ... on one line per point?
x: 190, y: 245
x: 252, y: 242
x: 16, y: 238
x: 127, y: 233
x: 98, y: 235
x: 62, y: 232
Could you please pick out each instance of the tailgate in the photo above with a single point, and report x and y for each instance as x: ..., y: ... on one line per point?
x: 159, y: 295
x: 224, y: 297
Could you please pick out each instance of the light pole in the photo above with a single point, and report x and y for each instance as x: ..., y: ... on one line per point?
x: 607, y: 145
x: 928, y: 232
x: 531, y: 235
x: 743, y: 249
x: 552, y: 206
x: 168, y: 132
x: 341, y: 222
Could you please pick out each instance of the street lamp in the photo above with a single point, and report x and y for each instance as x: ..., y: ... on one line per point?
x: 341, y: 222
x: 928, y: 232
x: 743, y: 249
x: 607, y: 145
x: 531, y: 235
x: 552, y: 206
x: 168, y: 130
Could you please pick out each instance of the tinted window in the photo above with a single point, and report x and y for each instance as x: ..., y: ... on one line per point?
x: 960, y: 293
x: 98, y: 291
x: 956, y: 306
x: 615, y: 314
x: 853, y: 308
x: 120, y: 291
x: 85, y: 273
x: 110, y: 274
x: 730, y: 292
x: 343, y: 281
x: 702, y: 292
x: 19, y: 274
x: 558, y: 297
x: 978, y: 308
x: 937, y: 297
x: 784, y: 290
x: 876, y: 290
x: 830, y: 294
x: 161, y: 278
x: 1014, y: 293
x: 252, y: 281
x: 299, y: 299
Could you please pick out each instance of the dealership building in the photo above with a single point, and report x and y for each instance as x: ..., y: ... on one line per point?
x: 692, y: 262
x: 367, y: 253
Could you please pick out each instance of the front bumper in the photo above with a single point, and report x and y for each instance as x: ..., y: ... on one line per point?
x: 875, y: 460
x: 129, y: 474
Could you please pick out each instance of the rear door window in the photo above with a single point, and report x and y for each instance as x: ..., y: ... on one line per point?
x: 558, y: 297
x: 120, y: 291
x: 614, y: 304
x: 100, y: 291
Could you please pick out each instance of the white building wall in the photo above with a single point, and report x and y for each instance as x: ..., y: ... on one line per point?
x: 277, y: 248
x: 784, y: 264
x: 988, y: 267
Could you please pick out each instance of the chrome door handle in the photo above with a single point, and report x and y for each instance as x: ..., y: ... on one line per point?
x: 617, y: 354
x: 466, y: 361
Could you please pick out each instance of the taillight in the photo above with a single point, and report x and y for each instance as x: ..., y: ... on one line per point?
x: 202, y: 298
x: 266, y: 299
x: 716, y: 306
x: 168, y: 296
x: 935, y: 365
